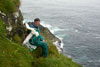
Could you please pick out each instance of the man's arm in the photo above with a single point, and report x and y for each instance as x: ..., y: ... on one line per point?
x: 32, y: 29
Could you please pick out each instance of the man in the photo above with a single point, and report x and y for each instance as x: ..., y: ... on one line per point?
x: 38, y: 41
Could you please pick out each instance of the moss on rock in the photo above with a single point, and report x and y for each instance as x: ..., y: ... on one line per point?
x: 17, y: 38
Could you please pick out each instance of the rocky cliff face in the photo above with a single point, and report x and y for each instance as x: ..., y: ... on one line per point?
x: 51, y: 38
x: 48, y: 34
x: 14, y: 25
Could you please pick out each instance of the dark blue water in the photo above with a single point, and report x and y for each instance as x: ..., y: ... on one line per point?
x: 77, y: 22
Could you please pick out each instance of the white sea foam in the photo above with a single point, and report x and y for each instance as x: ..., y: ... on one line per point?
x: 51, y: 28
x: 76, y: 30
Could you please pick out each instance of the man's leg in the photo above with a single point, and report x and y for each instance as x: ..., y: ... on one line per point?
x: 44, y: 47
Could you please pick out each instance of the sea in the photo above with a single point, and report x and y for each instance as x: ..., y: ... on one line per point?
x: 75, y: 22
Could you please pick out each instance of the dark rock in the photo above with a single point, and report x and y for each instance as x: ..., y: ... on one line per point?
x: 50, y: 36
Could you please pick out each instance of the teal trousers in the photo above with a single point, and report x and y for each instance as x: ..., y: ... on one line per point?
x: 43, y: 45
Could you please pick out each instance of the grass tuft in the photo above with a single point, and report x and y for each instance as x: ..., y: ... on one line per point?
x: 9, y: 6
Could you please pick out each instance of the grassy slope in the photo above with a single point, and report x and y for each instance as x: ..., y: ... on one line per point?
x: 14, y: 55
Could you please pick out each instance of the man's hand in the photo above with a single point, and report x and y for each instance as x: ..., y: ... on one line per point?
x: 43, y: 40
x: 35, y: 33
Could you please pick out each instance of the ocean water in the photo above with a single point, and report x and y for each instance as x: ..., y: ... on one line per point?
x: 76, y: 22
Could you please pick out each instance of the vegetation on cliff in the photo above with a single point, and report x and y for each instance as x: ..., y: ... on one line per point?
x: 14, y: 55
x: 9, y: 6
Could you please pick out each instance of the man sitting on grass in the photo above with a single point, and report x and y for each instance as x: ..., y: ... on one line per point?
x: 38, y: 41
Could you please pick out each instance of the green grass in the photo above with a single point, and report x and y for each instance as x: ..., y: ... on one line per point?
x: 54, y: 59
x: 17, y: 39
x: 16, y: 2
x: 14, y: 55
x: 9, y: 6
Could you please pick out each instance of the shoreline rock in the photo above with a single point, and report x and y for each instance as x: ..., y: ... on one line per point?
x: 56, y: 41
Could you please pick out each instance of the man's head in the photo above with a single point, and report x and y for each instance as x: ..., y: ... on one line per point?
x: 36, y: 21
